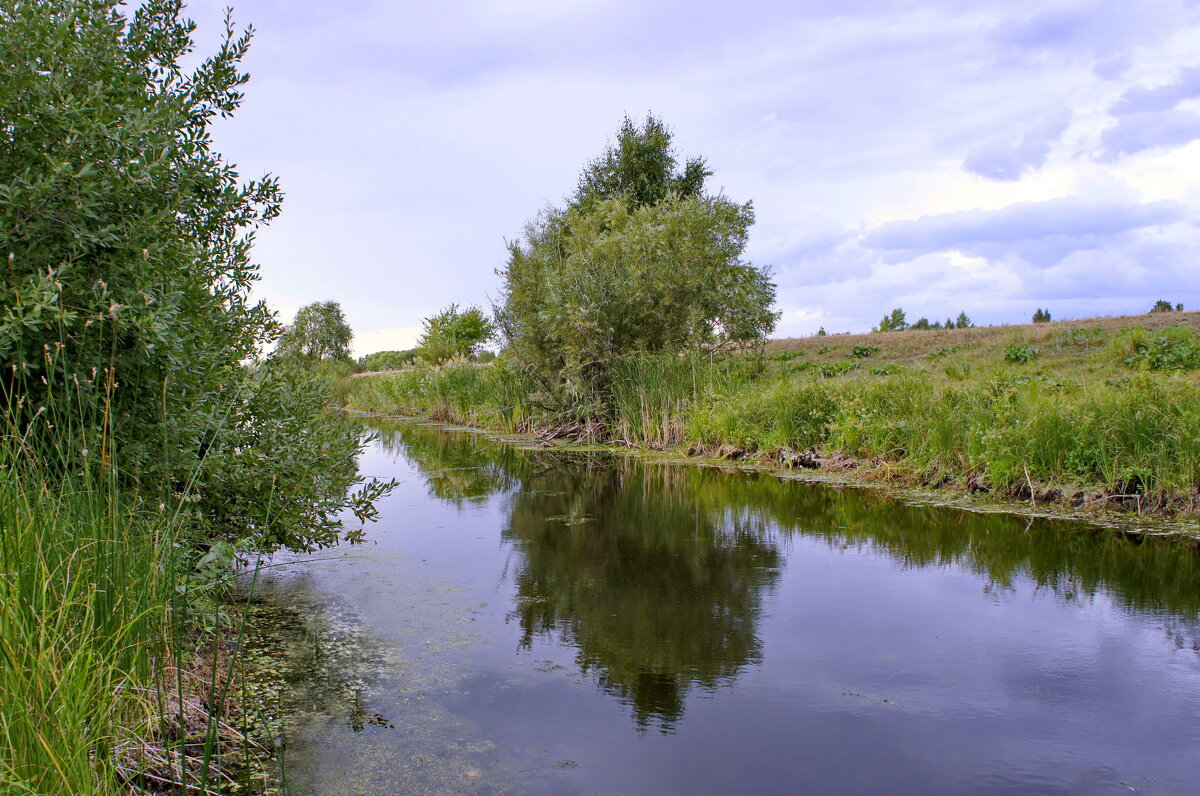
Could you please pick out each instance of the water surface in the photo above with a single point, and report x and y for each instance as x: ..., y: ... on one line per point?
x: 535, y: 622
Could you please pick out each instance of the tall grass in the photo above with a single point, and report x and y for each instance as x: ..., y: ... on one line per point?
x: 84, y: 583
x: 100, y: 606
x: 652, y: 395
x: 1140, y: 435
x: 1005, y: 429
x: 494, y: 395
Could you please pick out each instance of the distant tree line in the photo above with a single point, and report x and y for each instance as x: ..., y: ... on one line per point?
x: 897, y: 321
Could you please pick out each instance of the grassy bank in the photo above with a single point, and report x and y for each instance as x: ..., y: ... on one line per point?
x: 1100, y: 412
x: 117, y: 675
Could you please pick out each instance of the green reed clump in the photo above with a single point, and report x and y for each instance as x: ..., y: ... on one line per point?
x: 652, y: 393
x: 493, y: 395
x: 793, y: 413
x: 85, y: 579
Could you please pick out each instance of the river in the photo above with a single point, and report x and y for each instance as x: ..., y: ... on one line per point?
x: 527, y: 621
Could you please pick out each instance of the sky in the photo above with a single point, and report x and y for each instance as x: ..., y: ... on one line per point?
x: 992, y: 157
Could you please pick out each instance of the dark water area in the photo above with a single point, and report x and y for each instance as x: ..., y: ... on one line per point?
x: 538, y: 622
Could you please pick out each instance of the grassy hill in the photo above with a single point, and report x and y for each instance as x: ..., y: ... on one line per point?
x: 1084, y: 348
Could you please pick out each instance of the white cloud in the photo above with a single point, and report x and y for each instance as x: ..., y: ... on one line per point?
x: 412, y: 139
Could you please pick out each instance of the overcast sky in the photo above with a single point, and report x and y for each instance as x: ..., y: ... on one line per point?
x: 993, y: 156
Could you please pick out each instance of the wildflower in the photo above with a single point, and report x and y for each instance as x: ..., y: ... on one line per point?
x: 84, y: 453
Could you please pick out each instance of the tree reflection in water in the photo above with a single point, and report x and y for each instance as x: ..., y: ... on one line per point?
x: 656, y: 574
x: 655, y: 593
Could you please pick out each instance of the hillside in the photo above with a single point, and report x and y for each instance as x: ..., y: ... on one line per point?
x: 1074, y: 348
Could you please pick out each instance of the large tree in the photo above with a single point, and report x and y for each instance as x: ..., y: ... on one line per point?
x: 125, y: 270
x: 642, y: 259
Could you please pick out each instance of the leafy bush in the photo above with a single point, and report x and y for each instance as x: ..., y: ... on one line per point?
x: 1174, y: 348
x: 127, y: 245
x: 887, y: 370
x: 319, y: 331
x: 954, y: 349
x: 832, y: 369
x: 386, y: 360
x: 641, y: 260
x: 862, y: 351
x: 454, y: 333
x: 1019, y: 352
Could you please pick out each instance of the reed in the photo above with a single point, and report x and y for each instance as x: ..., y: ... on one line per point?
x: 85, y: 581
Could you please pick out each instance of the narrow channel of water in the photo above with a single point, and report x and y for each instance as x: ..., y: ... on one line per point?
x: 533, y: 622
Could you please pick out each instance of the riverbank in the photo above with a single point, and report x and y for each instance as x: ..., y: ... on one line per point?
x: 1094, y: 416
x: 123, y: 672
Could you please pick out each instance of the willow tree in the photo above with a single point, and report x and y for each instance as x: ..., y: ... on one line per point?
x: 319, y: 331
x: 126, y: 311
x: 641, y: 260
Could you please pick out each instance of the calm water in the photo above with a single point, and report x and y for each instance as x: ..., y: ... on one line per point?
x: 548, y: 623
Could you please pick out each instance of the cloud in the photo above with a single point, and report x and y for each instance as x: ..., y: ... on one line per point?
x: 1041, y: 233
x: 1142, y: 131
x: 1072, y: 30
x: 1007, y: 159
x: 398, y: 339
x: 1149, y: 117
x: 412, y: 139
x: 1141, y: 99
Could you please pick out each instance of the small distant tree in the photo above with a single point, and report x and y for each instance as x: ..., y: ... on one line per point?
x: 454, y: 333
x: 963, y: 322
x: 1165, y: 306
x: 921, y: 324
x: 894, y: 322
x: 821, y: 332
x: 1041, y: 316
x: 319, y: 332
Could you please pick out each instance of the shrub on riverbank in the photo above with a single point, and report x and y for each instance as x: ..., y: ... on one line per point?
x: 125, y: 397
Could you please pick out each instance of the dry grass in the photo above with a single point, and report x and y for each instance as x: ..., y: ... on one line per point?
x: 911, y: 346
